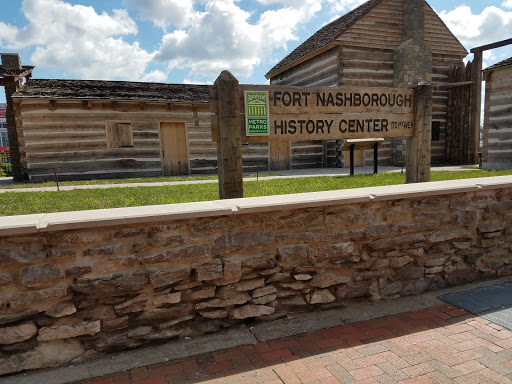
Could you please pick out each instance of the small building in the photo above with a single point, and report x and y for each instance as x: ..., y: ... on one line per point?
x: 88, y: 129
x: 382, y: 43
x: 497, y: 133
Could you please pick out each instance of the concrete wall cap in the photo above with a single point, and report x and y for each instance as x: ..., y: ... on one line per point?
x: 409, y: 191
x: 20, y: 225
x: 131, y: 215
x: 494, y: 182
x: 26, y: 224
x: 300, y: 200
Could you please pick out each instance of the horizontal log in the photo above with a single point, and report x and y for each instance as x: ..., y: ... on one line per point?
x: 112, y: 174
x: 377, y: 55
x: 111, y: 154
x: 97, y: 165
x: 63, y: 137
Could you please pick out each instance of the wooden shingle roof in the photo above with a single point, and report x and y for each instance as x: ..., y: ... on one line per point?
x: 501, y: 64
x: 325, y: 35
x: 113, y: 90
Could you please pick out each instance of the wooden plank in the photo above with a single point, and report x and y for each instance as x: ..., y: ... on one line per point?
x: 476, y: 100
x: 279, y: 155
x: 173, y: 141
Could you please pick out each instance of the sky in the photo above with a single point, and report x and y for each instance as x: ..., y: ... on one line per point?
x: 192, y: 41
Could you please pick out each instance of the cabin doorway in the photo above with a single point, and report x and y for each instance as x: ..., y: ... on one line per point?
x: 173, y: 149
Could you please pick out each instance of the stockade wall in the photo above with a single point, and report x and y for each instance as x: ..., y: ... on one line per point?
x: 77, y: 285
x: 497, y: 135
x: 459, y: 120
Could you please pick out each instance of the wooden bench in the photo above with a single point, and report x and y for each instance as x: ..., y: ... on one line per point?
x: 362, y: 144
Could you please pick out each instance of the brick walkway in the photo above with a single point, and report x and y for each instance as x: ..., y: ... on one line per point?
x: 442, y: 344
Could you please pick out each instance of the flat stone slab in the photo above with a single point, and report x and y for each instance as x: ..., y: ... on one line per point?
x: 493, y: 302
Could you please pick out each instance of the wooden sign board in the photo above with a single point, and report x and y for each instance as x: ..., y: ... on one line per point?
x: 326, y: 113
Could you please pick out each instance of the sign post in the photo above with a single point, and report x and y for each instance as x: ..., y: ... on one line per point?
x: 229, y: 145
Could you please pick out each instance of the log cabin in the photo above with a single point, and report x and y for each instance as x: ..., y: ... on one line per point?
x: 497, y: 133
x: 87, y: 129
x: 382, y: 43
x: 90, y: 129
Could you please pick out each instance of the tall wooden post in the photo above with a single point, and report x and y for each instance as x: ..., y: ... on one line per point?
x: 419, y: 145
x: 476, y: 104
x: 11, y: 62
x: 229, y: 146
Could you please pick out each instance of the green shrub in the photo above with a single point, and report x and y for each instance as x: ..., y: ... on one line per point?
x: 5, y: 169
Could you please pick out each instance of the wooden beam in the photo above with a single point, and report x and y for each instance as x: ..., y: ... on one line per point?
x: 438, y: 85
x: 491, y: 46
x: 476, y: 107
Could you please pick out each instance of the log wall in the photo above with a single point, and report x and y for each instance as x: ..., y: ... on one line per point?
x: 71, y: 139
x: 322, y: 70
x: 497, y: 135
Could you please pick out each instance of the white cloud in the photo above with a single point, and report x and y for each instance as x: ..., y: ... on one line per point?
x: 165, y: 13
x: 78, y: 40
x: 194, y: 82
x: 154, y: 77
x: 507, y: 4
x: 344, y: 6
x: 224, y: 38
x: 473, y: 30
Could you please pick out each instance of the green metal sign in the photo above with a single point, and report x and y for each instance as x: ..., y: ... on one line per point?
x: 256, y: 113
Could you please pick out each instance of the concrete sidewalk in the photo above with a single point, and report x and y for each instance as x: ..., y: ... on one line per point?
x: 409, y: 340
x: 284, y: 174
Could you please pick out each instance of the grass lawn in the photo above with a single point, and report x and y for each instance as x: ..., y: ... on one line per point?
x: 22, y: 203
x: 121, y: 181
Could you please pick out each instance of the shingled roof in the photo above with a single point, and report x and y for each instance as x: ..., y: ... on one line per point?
x: 325, y: 35
x: 501, y: 64
x: 113, y: 90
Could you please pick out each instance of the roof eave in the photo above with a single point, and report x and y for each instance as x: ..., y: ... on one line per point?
x: 493, y: 68
x: 302, y: 59
x: 23, y: 97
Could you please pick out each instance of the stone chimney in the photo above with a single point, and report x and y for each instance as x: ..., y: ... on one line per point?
x: 11, y: 60
x: 412, y: 61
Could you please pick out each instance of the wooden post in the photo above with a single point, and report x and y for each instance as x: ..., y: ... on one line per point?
x: 229, y: 146
x: 375, y: 158
x: 476, y: 105
x: 419, y: 145
x: 351, y: 160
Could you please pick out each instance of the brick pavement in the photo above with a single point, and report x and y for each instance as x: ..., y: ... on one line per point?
x: 442, y: 344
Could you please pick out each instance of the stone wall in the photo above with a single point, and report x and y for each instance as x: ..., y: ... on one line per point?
x: 75, y: 285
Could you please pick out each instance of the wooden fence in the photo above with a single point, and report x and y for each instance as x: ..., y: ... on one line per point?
x: 460, y: 137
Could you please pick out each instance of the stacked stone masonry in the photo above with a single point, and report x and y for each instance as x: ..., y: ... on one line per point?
x: 70, y: 295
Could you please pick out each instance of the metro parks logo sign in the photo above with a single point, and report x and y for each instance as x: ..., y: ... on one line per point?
x: 256, y: 113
